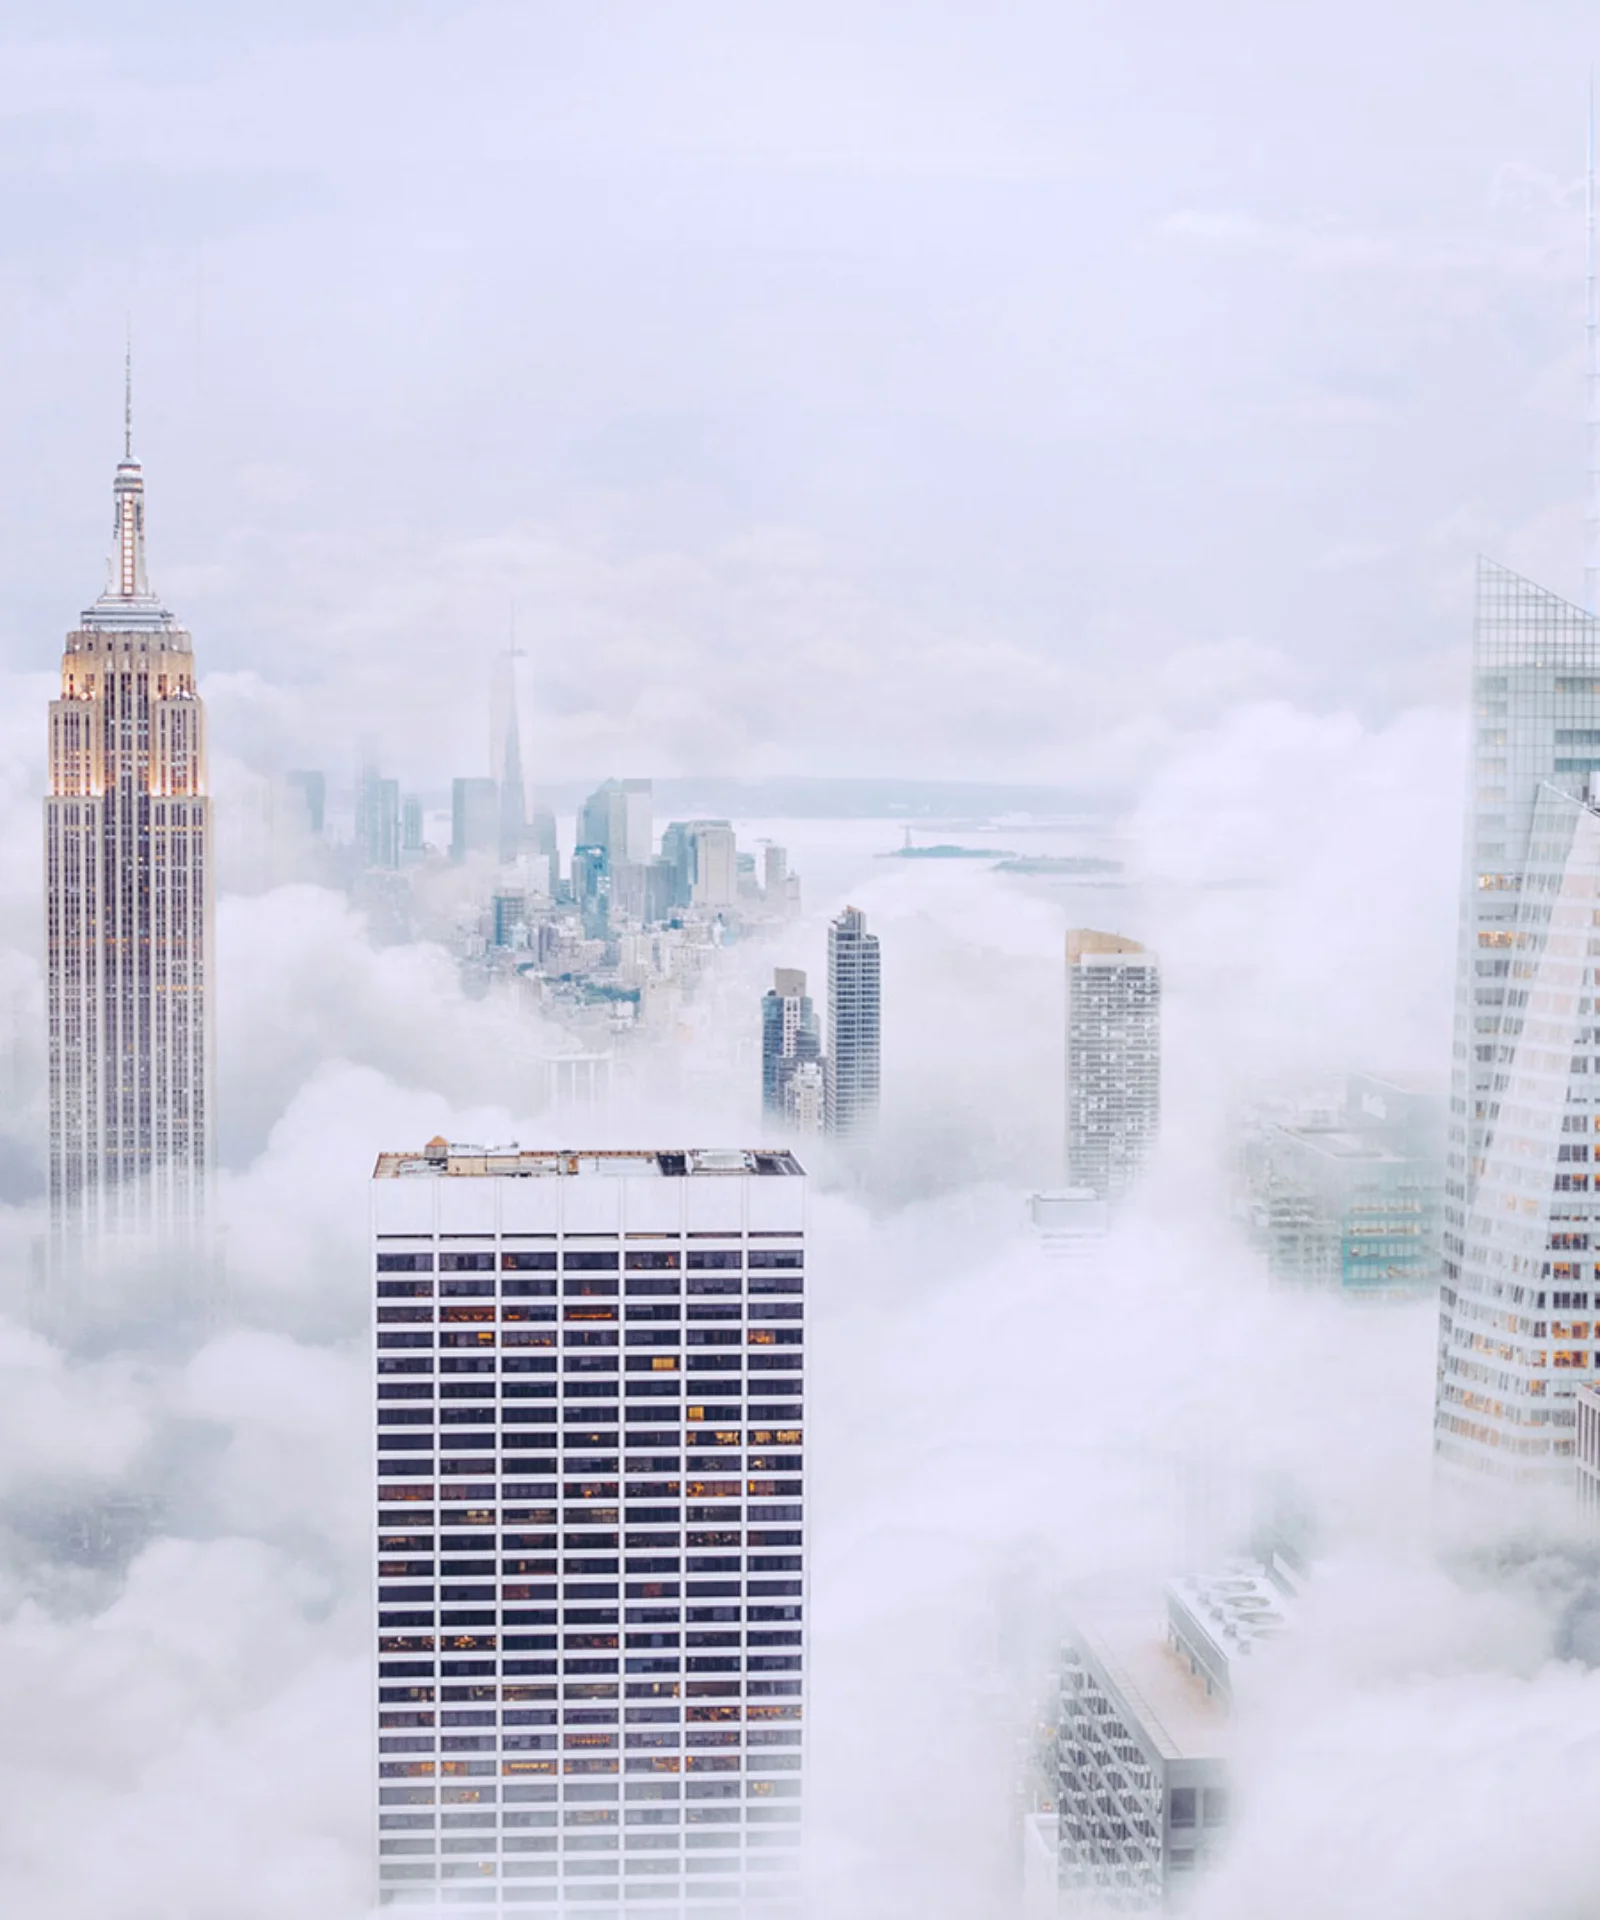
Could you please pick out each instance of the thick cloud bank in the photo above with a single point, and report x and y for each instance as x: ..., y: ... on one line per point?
x: 183, y: 1524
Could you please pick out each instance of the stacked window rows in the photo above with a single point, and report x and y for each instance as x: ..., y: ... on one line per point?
x: 1506, y: 1388
x: 128, y: 922
x: 590, y: 1571
x: 1110, y: 1801
x: 1537, y: 690
x: 1113, y: 1066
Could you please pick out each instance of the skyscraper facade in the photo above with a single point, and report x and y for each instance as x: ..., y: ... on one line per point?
x: 378, y: 819
x: 1587, y: 1452
x: 128, y: 885
x: 1342, y: 1188
x: 312, y: 787
x: 805, y: 1099
x: 851, y: 1073
x: 505, y: 756
x: 704, y: 856
x: 590, y: 1507
x: 412, y: 844
x: 790, y: 1036
x: 617, y: 817
x: 775, y: 877
x: 474, y: 817
x: 1113, y: 1061
x: 1138, y: 1793
x: 1517, y: 1334
x: 1141, y: 1762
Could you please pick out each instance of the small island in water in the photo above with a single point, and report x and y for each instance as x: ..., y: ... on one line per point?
x: 909, y: 852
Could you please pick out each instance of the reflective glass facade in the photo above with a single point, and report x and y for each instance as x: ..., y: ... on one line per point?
x: 853, y: 1024
x: 1516, y: 1337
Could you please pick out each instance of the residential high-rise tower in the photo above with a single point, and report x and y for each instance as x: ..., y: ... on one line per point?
x: 128, y: 887
x: 590, y: 1496
x: 1113, y: 1061
x: 851, y: 1074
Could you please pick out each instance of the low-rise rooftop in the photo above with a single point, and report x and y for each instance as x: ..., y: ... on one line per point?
x: 455, y: 1159
x: 1224, y: 1616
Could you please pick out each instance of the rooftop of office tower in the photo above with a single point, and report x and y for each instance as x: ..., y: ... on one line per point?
x: 1084, y: 943
x: 456, y: 1159
x: 1127, y: 1639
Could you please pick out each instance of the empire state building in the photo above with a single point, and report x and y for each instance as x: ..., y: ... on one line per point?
x: 128, y: 906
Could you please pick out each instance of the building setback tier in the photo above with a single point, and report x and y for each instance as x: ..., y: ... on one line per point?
x: 128, y: 908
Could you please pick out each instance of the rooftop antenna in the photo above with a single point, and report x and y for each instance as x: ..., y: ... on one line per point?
x: 127, y: 396
x: 1591, y: 334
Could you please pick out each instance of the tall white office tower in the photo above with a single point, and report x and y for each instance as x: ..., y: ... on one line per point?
x: 854, y: 1024
x: 590, y: 1550
x: 1113, y: 1061
x: 128, y: 883
x: 716, y: 865
x: 1522, y: 1210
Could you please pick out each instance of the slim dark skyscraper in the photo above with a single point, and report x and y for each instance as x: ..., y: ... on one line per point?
x: 128, y: 904
x: 853, y: 1024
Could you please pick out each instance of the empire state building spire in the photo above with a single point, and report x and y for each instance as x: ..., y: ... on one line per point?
x: 128, y: 581
x: 128, y: 902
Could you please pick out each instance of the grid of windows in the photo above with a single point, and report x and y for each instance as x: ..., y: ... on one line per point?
x: 127, y: 908
x: 590, y: 1475
x: 1113, y: 1061
x: 1134, y: 1821
x: 854, y: 1023
x: 1518, y: 1200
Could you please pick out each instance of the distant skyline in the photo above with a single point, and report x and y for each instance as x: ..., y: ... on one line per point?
x: 1084, y: 418
x: 1042, y: 391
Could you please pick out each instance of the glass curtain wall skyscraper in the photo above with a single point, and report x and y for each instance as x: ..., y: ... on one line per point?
x: 590, y: 1510
x: 128, y: 907
x: 505, y: 755
x: 790, y: 1036
x: 1522, y: 1217
x: 851, y: 1072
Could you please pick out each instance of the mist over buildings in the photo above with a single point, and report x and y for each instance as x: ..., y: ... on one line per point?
x: 1044, y: 384
x: 1111, y: 400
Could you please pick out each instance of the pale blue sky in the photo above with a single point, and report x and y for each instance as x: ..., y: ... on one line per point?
x: 834, y: 387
